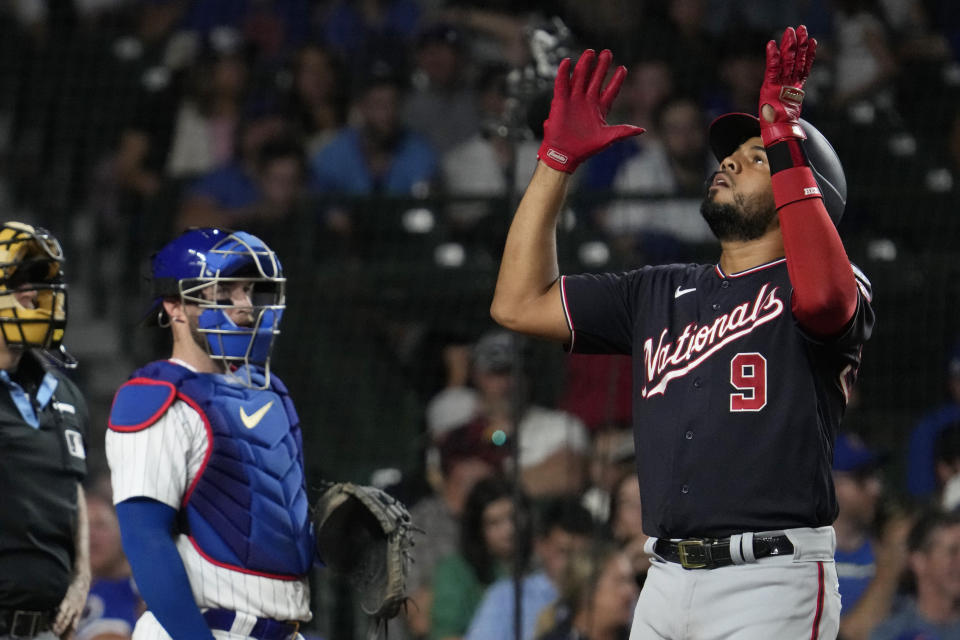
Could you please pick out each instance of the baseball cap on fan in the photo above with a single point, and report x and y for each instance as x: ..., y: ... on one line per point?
x: 468, y: 443
x: 451, y: 408
x: 495, y: 352
x: 851, y: 455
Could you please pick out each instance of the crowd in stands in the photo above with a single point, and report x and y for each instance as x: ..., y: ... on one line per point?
x: 161, y: 115
x: 142, y: 117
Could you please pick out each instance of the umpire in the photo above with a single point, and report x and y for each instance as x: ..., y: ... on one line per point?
x: 44, y: 563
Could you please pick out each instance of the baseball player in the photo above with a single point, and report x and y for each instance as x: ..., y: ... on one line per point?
x: 742, y: 368
x: 205, y: 452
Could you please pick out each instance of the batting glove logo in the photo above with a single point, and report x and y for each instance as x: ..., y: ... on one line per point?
x: 791, y: 94
x: 553, y: 154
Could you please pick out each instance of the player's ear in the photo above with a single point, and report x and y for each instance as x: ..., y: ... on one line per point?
x: 173, y: 309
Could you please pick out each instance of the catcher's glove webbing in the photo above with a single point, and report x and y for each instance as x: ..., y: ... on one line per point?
x: 364, y: 534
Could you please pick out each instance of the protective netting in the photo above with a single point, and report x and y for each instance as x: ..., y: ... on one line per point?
x: 122, y: 122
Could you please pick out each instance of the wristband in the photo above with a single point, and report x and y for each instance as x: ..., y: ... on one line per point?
x: 787, y: 154
x: 794, y: 184
x: 556, y: 159
x: 790, y: 173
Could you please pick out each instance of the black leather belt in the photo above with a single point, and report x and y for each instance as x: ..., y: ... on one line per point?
x: 25, y: 624
x: 711, y: 553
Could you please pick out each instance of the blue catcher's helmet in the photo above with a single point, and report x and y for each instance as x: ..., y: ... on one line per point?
x: 194, y: 267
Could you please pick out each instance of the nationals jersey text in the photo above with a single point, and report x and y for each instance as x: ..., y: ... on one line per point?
x: 669, y: 360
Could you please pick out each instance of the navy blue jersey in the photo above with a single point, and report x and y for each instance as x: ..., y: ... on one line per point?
x: 735, y: 408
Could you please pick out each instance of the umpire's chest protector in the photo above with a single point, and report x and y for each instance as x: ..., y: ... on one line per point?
x: 247, y: 508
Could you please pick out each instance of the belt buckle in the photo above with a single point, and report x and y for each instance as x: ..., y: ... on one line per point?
x: 21, y: 617
x: 694, y: 554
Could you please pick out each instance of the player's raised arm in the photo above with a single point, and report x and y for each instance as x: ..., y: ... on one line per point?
x: 527, y: 297
x: 824, y: 288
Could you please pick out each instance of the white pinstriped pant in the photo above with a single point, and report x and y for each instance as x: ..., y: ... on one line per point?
x: 149, y: 629
x: 795, y: 597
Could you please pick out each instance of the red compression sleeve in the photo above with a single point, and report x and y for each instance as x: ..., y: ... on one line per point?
x: 824, y: 288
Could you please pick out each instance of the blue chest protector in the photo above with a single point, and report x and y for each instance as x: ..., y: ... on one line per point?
x: 247, y: 509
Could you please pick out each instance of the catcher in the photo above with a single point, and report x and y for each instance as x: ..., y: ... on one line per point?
x: 206, y: 457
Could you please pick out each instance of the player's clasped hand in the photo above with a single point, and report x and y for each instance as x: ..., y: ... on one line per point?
x: 71, y: 610
x: 577, y: 128
x: 781, y: 95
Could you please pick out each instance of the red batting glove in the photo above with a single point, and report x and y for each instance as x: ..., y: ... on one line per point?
x: 787, y: 69
x: 577, y: 128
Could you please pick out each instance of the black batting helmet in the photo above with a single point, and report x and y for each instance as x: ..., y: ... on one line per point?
x: 731, y: 130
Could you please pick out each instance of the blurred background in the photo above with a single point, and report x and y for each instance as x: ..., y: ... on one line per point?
x: 380, y: 147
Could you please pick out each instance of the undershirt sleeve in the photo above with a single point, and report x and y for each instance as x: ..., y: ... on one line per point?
x: 824, y: 289
x: 145, y: 527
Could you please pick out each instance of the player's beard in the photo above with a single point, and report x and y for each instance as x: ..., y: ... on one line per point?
x: 748, y: 218
x: 198, y: 337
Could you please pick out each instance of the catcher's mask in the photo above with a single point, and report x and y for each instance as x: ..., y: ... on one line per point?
x: 733, y: 129
x: 198, y: 268
x: 33, y: 296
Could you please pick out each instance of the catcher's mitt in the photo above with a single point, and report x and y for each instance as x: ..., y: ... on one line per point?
x: 364, y: 534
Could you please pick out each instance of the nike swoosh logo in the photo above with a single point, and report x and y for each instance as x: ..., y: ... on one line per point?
x: 679, y: 292
x: 253, y: 420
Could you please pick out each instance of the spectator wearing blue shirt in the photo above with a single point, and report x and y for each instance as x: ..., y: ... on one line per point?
x: 565, y: 528
x: 868, y: 570
x: 933, y: 613
x: 263, y: 192
x: 377, y: 156
x: 231, y: 187
x: 922, y: 479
